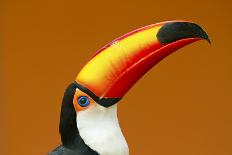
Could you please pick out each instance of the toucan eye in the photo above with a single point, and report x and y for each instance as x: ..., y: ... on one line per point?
x: 83, y: 101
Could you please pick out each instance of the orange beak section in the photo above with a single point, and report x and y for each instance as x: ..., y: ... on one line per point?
x: 116, y: 67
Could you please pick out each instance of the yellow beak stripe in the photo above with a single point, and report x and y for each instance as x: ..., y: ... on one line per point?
x: 101, y: 73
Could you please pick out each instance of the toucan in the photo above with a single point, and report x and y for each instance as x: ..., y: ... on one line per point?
x: 88, y: 118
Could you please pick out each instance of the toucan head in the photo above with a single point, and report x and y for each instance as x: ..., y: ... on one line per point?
x: 89, y: 104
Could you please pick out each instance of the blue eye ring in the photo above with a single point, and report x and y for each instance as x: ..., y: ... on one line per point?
x: 83, y: 101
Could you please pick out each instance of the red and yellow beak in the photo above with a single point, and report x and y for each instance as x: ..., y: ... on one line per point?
x: 116, y: 67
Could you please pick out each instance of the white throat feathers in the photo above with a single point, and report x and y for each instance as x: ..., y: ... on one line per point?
x: 99, y: 128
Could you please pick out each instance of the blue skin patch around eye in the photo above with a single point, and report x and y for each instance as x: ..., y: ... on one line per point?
x: 83, y: 101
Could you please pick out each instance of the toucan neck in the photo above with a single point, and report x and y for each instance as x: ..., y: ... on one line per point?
x: 99, y: 128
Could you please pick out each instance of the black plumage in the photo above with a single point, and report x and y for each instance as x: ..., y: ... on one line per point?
x: 72, y: 143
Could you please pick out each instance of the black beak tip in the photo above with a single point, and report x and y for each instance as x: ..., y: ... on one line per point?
x: 175, y: 31
x: 203, y: 35
x: 208, y: 39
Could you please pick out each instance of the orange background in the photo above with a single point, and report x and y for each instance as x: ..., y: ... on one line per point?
x: 182, y: 106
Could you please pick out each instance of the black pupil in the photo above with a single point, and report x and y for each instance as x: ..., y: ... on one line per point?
x: 83, y: 100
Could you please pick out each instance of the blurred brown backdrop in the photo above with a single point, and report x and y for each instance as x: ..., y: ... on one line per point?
x: 182, y: 106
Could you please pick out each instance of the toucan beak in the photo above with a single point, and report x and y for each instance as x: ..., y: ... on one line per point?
x: 116, y: 67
